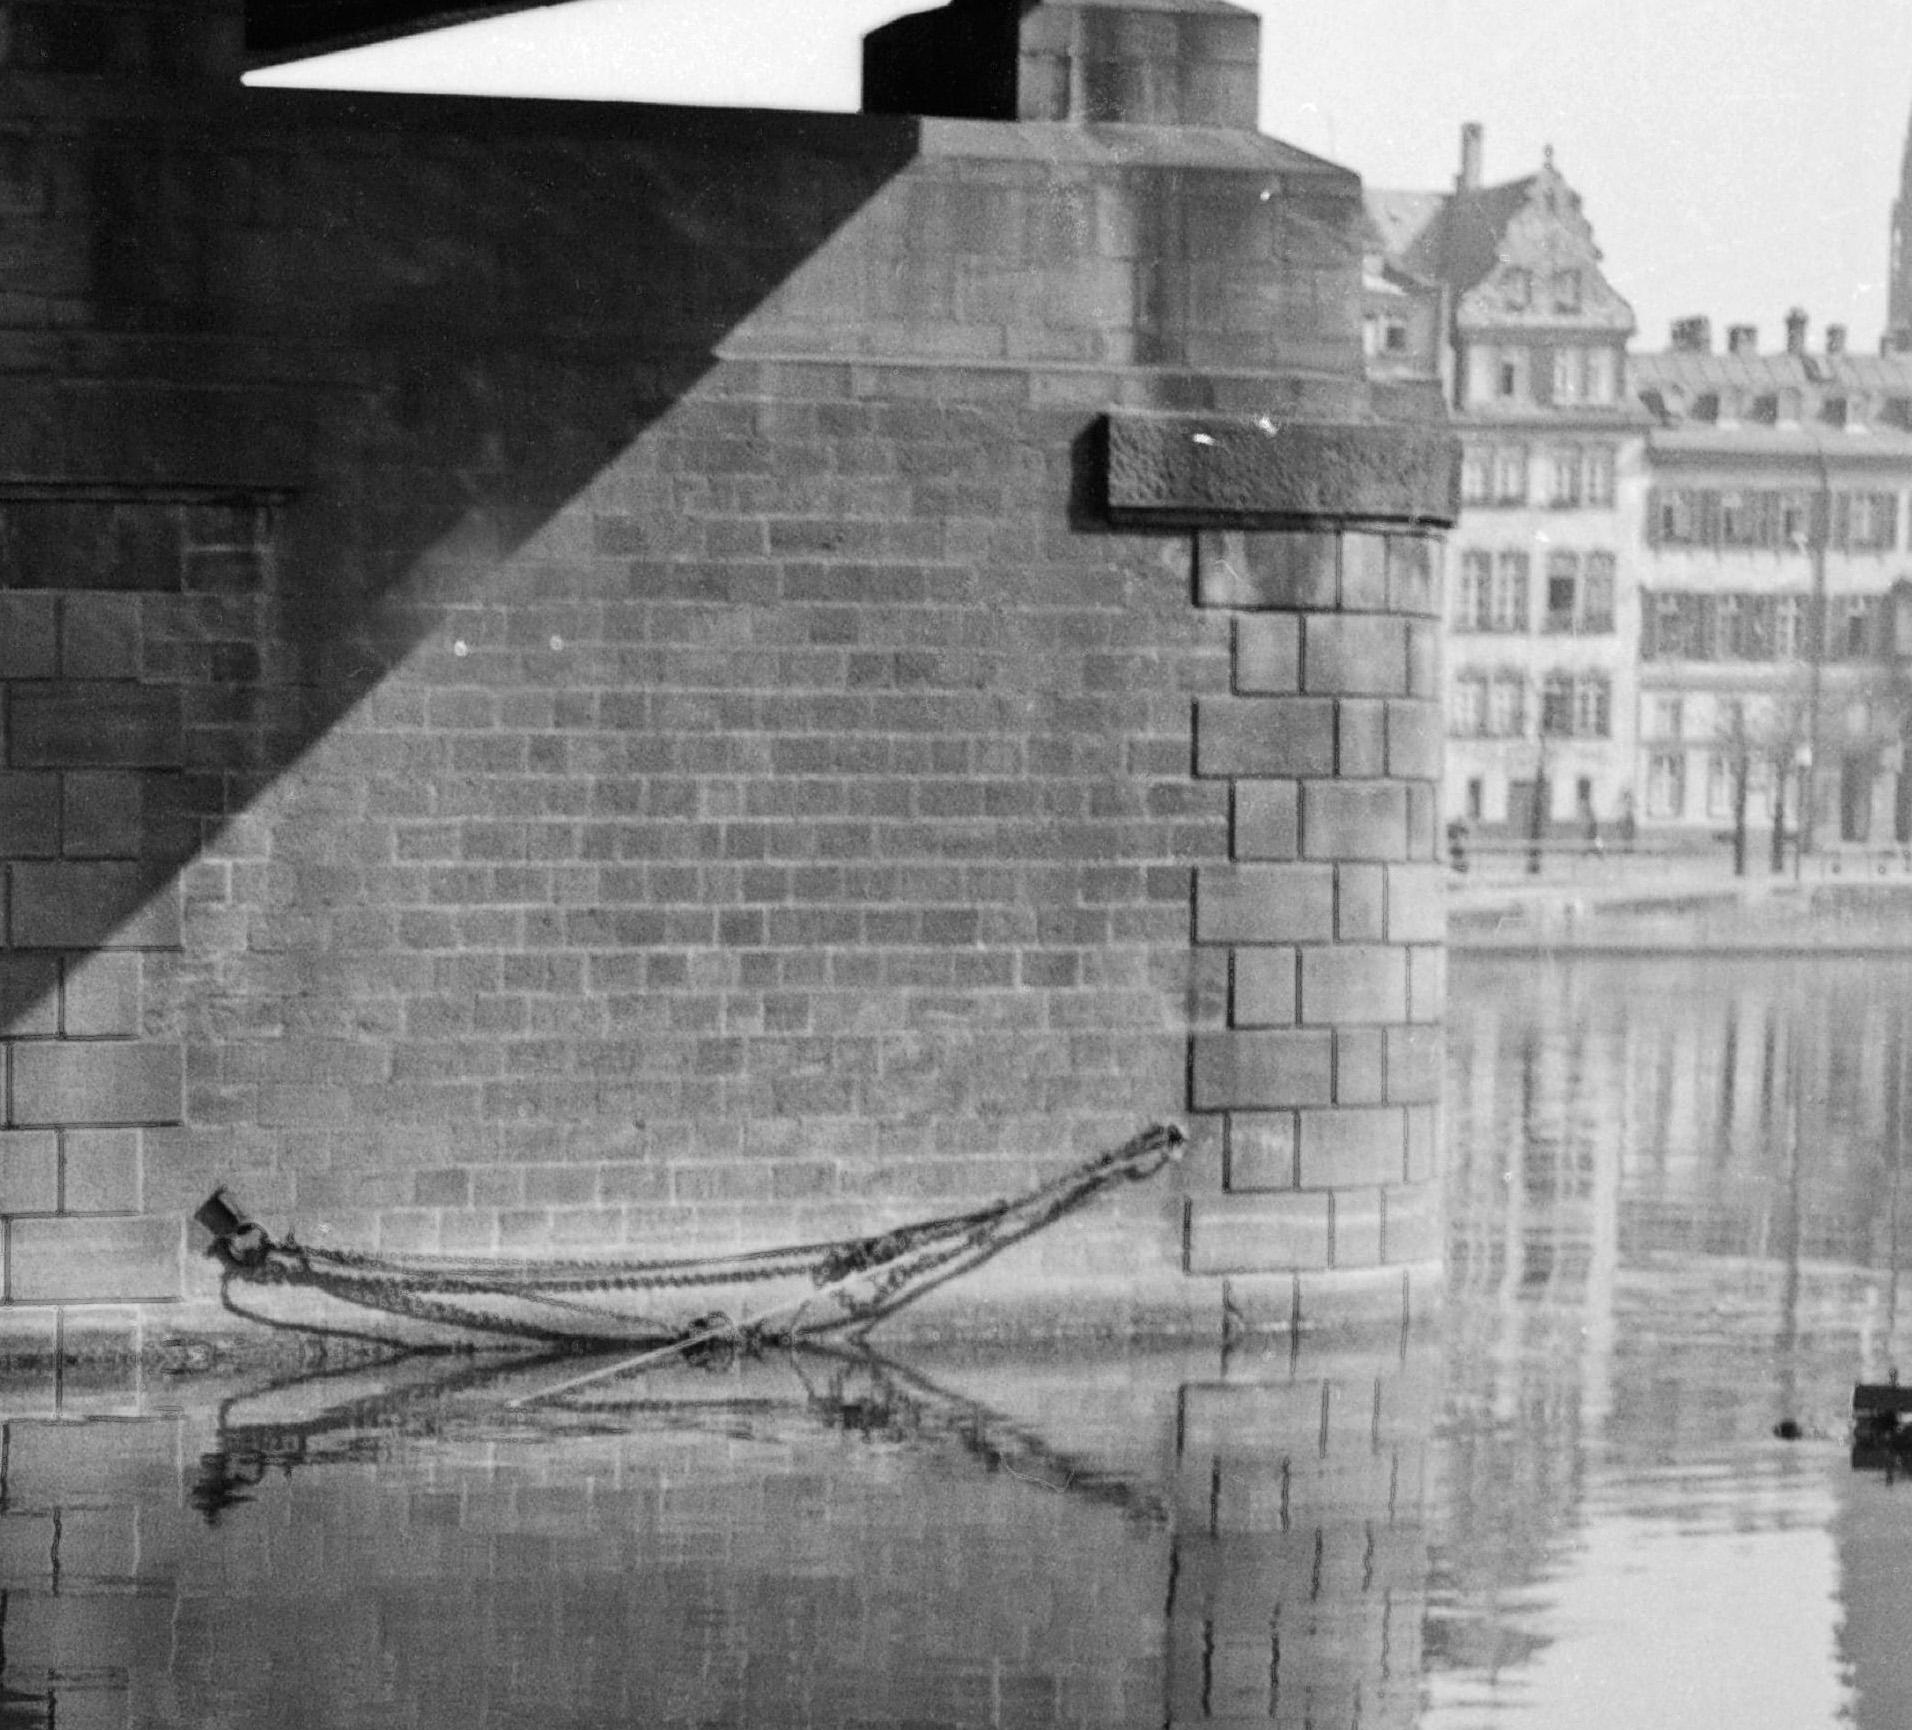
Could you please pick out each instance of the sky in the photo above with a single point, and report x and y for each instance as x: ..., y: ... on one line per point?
x: 1735, y: 157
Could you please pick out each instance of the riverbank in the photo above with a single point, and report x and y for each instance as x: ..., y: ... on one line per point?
x: 1651, y: 907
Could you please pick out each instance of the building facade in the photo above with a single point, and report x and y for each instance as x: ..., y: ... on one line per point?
x: 1774, y: 560
x: 1532, y: 360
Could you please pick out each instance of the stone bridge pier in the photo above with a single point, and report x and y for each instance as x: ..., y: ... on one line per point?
x: 589, y: 678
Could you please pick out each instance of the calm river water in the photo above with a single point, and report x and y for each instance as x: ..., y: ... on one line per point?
x: 1675, y: 1212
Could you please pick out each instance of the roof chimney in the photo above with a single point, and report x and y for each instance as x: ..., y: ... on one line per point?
x: 1796, y: 331
x: 1835, y: 339
x: 1469, y: 178
x: 1742, y: 339
x: 1693, y: 335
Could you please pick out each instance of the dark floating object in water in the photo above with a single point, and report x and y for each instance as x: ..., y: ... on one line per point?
x: 1880, y: 1441
x: 802, y: 1291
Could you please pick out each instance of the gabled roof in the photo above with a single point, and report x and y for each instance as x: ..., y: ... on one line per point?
x: 1473, y: 238
x: 281, y: 30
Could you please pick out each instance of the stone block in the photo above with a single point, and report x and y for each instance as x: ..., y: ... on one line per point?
x: 96, y: 1082
x: 1364, y: 572
x: 1210, y: 470
x: 1354, y: 820
x: 1264, y: 993
x: 1423, y: 1143
x: 1267, y: 654
x: 1266, y: 1233
x: 29, y: 815
x: 1294, y: 571
x: 29, y: 995
x: 28, y: 643
x: 104, y: 816
x: 100, y: 995
x: 1417, y: 904
x: 1416, y: 1223
x: 1353, y: 982
x: 1360, y: 1066
x: 1252, y: 1420
x: 79, y: 724
x: 91, y: 906
x: 1355, y: 655
x: 1261, y: 1150
x: 1263, y: 903
x: 1266, y: 736
x: 1360, y: 736
x: 1414, y: 1059
x: 1416, y: 740
x: 101, y: 1259
x: 1414, y: 575
x: 29, y: 1171
x: 1360, y: 903
x: 1425, y: 659
x: 1357, y: 1229
x: 99, y: 637
x: 1427, y: 983
x: 1266, y: 819
x: 1238, y: 1071
x: 1351, y: 1145
x: 101, y: 1170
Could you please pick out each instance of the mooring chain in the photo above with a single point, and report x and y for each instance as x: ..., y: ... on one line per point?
x: 902, y: 1257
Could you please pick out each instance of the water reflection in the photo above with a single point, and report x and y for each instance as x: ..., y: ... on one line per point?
x: 1675, y: 1224
x: 1676, y: 1221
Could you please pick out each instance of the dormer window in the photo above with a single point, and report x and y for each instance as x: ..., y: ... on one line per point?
x: 1706, y: 406
x: 1833, y: 411
x: 1765, y: 409
x: 1566, y: 291
x: 1520, y: 286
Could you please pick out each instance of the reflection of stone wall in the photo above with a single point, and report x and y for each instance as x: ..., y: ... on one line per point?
x: 1301, y: 1550
x: 1107, y: 1546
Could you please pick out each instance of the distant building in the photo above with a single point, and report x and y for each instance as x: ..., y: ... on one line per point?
x: 1530, y: 354
x: 1774, y: 575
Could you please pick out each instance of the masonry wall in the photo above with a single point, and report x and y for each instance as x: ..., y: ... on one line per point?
x: 567, y: 685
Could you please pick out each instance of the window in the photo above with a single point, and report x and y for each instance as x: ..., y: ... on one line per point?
x: 1662, y: 628
x: 1510, y: 378
x: 1596, y: 594
x: 1564, y: 476
x: 1556, y: 706
x: 1476, y: 476
x: 1467, y: 706
x: 1738, y: 520
x: 1517, y: 285
x: 1666, y: 718
x: 1726, y: 617
x: 1857, y: 614
x: 1666, y: 784
x: 1507, y: 706
x: 1476, y: 798
x: 1508, y: 607
x: 1569, y: 374
x: 1510, y: 475
x: 1563, y: 588
x: 1394, y: 336
x: 1472, y: 591
x: 1706, y: 406
x: 1719, y: 783
x: 1566, y: 291
x: 1597, y: 475
x: 1865, y: 522
x: 1675, y: 517
x: 1833, y: 411
x: 1591, y: 706
x: 1603, y: 375
x: 1787, y: 613
x: 1765, y: 409
x: 1795, y: 520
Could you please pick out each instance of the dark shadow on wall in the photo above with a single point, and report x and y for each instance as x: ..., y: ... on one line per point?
x: 334, y: 343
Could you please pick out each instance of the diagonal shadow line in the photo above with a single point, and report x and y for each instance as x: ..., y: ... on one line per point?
x: 435, y: 320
